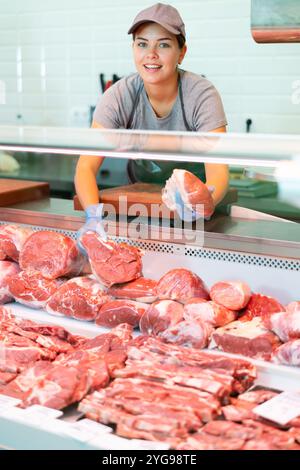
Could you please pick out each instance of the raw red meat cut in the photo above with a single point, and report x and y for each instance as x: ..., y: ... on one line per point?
x: 32, y: 289
x: 181, y: 285
x: 12, y: 239
x: 8, y: 269
x: 80, y: 298
x: 286, y: 325
x: 260, y: 306
x: 208, y: 312
x: 52, y: 254
x: 288, y: 353
x: 194, y: 193
x: 140, y: 290
x: 293, y: 306
x: 188, y: 333
x: 112, y: 263
x: 114, y: 312
x: 160, y: 316
x: 233, y: 295
x: 248, y: 338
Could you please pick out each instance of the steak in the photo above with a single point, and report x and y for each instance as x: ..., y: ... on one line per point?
x: 80, y: 298
x: 8, y: 269
x: 52, y: 254
x: 114, y: 312
x: 208, y: 312
x: 181, y: 285
x: 160, y: 316
x: 32, y: 289
x: 112, y: 263
x: 140, y: 290
x: 233, y: 295
x: 193, y: 192
x: 249, y: 338
x: 188, y: 333
x: 12, y: 239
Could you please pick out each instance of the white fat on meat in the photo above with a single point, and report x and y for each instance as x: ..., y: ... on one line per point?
x: 160, y: 316
x: 7, y: 270
x: 208, y: 312
x: 286, y: 325
x: 288, y: 353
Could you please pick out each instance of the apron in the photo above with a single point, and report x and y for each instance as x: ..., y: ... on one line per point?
x: 156, y: 171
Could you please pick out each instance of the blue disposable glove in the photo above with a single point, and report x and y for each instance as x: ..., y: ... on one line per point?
x: 93, y: 223
x: 185, y: 213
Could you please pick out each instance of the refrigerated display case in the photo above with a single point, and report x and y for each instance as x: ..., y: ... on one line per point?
x: 262, y: 250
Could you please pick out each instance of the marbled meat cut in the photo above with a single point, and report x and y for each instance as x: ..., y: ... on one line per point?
x: 52, y: 254
x: 260, y: 306
x: 112, y: 263
x: 140, y: 290
x: 8, y: 269
x: 208, y: 312
x: 286, y: 325
x: 32, y: 289
x: 188, y: 333
x: 233, y: 295
x: 193, y: 192
x: 80, y: 298
x: 288, y: 353
x: 161, y: 315
x: 250, y: 338
x: 181, y: 285
x: 12, y: 239
x: 114, y: 312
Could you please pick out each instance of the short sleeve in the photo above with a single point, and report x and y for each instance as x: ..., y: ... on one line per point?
x: 208, y: 111
x: 107, y: 110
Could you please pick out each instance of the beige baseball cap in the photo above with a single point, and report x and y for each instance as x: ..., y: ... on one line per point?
x: 165, y: 15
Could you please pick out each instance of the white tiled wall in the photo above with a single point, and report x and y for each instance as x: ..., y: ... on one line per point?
x: 52, y: 51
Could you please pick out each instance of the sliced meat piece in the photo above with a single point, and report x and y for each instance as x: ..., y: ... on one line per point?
x: 32, y: 289
x: 188, y: 333
x: 12, y: 239
x: 6, y: 377
x: 204, y: 441
x: 181, y: 285
x: 52, y: 254
x: 261, y: 306
x: 112, y: 263
x: 208, y: 312
x: 114, y: 312
x: 248, y: 338
x: 80, y: 298
x: 258, y: 396
x: 140, y: 290
x: 233, y: 295
x: 194, y: 193
x: 160, y: 316
x: 286, y: 325
x: 8, y: 269
x: 288, y: 353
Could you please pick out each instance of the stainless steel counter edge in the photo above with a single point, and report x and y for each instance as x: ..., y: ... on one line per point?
x: 217, y: 234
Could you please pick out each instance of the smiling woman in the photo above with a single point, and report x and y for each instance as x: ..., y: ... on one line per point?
x: 160, y: 96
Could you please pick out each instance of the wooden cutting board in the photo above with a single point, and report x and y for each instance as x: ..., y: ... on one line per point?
x: 140, y: 193
x: 16, y: 191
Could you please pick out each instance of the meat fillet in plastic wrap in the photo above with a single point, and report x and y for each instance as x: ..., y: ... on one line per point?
x: 140, y: 290
x: 233, y: 295
x: 194, y: 194
x: 119, y: 311
x: 52, y: 254
x: 12, y: 239
x: 261, y: 306
x: 32, y: 289
x: 181, y: 285
x: 250, y: 338
x: 208, y: 312
x: 80, y: 298
x: 8, y: 269
x: 188, y: 333
x: 286, y: 325
x: 112, y: 263
x: 160, y: 316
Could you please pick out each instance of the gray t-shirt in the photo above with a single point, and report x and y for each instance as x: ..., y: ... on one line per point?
x: 202, y: 104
